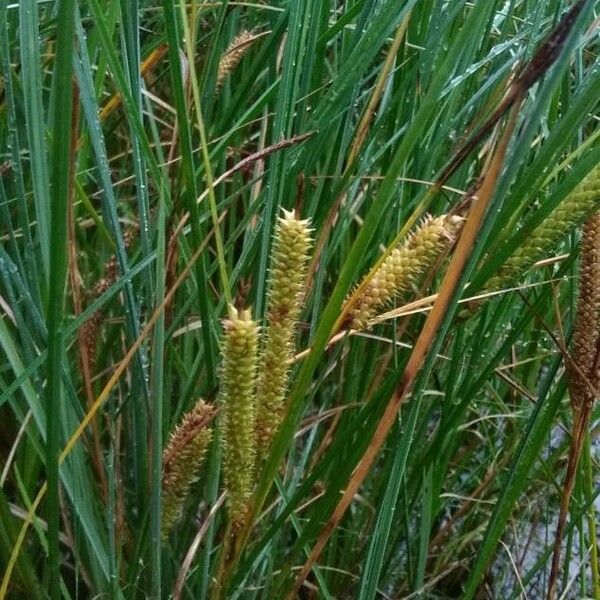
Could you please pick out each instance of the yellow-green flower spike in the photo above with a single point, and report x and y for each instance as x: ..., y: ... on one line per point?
x: 289, y: 260
x: 571, y: 212
x: 586, y: 333
x: 237, y: 401
x: 404, y: 265
x: 182, y: 459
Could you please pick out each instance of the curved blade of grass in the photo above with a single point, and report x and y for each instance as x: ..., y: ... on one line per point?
x: 174, y: 40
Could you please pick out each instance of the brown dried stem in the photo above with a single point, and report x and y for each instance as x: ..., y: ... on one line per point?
x: 582, y: 372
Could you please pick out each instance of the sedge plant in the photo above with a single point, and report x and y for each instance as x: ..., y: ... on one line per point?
x: 229, y: 138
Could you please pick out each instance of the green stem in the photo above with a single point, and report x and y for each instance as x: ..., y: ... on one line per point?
x: 212, y: 200
x: 62, y: 174
x: 589, y: 493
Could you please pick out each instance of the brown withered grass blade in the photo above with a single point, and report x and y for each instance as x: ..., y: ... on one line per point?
x: 145, y: 69
x: 528, y: 75
x: 423, y: 344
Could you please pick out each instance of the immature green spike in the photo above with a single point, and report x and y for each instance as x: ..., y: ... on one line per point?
x: 571, y: 212
x: 182, y: 458
x: 289, y: 259
x: 586, y: 332
x: 237, y: 401
x: 403, y: 266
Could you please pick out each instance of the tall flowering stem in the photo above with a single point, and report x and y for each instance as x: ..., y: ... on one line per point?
x: 238, y: 405
x: 289, y: 260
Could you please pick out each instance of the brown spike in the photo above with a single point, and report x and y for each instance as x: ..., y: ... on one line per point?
x: 548, y: 52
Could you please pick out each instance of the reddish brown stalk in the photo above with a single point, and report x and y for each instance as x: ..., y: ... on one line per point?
x: 583, y: 374
x: 580, y: 427
x: 74, y: 280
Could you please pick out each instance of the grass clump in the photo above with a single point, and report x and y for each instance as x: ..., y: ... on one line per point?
x: 414, y: 452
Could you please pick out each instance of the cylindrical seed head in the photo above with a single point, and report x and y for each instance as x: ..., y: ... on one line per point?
x: 571, y: 212
x: 237, y: 401
x: 233, y: 55
x: 182, y: 458
x: 404, y: 265
x: 586, y: 333
x: 289, y: 259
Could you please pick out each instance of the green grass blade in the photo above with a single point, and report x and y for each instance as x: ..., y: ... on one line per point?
x: 62, y: 177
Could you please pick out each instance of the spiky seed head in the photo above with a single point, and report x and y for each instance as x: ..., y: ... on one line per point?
x: 404, y: 265
x: 182, y: 459
x: 233, y: 55
x: 238, y: 405
x: 289, y: 259
x: 570, y: 213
